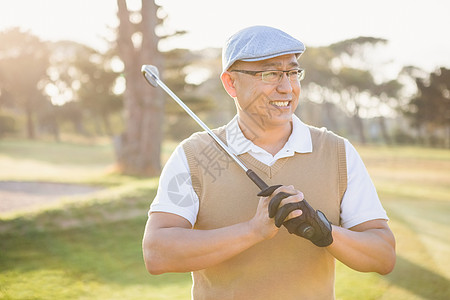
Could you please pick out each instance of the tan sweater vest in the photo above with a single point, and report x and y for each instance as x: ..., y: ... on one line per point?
x: 286, y: 266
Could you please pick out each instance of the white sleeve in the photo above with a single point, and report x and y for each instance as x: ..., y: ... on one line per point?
x: 175, y: 192
x: 360, y: 202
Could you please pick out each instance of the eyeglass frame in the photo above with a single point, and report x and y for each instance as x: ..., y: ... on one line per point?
x: 300, y: 75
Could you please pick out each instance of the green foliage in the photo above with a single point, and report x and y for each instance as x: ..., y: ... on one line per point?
x: 432, y: 104
x: 206, y: 96
x: 339, y: 75
x: 403, y: 138
x: 32, y: 72
x: 86, y: 76
x: 342, y: 75
x: 7, y: 124
x: 182, y: 64
x: 355, y: 80
x: 24, y: 60
x: 356, y: 45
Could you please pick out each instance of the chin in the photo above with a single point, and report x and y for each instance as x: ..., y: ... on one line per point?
x: 279, y: 121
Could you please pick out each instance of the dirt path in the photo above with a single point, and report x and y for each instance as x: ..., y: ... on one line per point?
x: 27, y: 196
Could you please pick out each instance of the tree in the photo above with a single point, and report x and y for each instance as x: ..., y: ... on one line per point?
x: 389, y: 94
x: 341, y: 74
x: 317, y: 89
x: 138, y: 148
x: 24, y: 60
x: 96, y: 91
x: 431, y: 106
x: 81, y: 74
x: 194, y: 77
x: 355, y: 88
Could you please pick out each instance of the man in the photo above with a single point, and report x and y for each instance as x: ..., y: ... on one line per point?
x: 207, y: 218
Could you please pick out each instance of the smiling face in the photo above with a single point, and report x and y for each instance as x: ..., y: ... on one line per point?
x: 262, y: 104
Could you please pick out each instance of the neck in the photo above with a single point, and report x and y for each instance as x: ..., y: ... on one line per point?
x: 270, y: 138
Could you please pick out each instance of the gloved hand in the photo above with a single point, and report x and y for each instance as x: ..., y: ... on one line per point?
x: 321, y: 235
x: 312, y: 225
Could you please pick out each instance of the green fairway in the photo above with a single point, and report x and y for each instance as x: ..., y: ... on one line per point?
x: 37, y: 160
x: 91, y: 249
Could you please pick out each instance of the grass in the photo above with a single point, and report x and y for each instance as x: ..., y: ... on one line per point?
x: 96, y: 257
x: 50, y: 161
x: 83, y: 248
x: 91, y: 249
x: 414, y: 186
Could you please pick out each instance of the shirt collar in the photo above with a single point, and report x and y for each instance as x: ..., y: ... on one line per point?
x: 299, y: 140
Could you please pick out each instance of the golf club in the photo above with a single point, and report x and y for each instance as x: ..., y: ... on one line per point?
x: 151, y: 74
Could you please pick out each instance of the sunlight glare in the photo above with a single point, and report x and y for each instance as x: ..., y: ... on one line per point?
x: 119, y: 85
x: 116, y: 64
x: 196, y: 75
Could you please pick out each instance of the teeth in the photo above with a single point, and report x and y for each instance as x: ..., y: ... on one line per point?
x: 280, y: 103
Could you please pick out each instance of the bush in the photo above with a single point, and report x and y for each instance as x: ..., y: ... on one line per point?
x: 8, y: 124
x: 180, y: 127
x: 403, y: 138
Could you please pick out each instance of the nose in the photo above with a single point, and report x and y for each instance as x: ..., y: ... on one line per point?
x: 285, y: 85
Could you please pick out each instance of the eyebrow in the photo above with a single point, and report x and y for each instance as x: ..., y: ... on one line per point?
x: 278, y: 64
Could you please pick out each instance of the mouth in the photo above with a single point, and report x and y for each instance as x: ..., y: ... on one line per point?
x: 280, y: 103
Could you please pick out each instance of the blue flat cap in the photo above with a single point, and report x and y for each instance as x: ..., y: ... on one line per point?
x: 258, y: 43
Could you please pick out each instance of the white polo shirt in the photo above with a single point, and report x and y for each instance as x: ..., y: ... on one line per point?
x: 176, y: 195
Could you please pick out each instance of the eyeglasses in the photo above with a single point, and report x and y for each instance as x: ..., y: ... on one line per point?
x: 275, y: 76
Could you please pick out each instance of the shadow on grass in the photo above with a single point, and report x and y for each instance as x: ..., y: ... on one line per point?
x: 419, y: 280
x: 415, y: 219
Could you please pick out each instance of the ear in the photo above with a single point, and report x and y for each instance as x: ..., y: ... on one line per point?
x: 228, y: 81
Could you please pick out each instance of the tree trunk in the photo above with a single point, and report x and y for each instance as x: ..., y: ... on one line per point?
x: 106, y: 124
x: 79, y: 127
x: 30, y: 124
x: 97, y: 126
x: 330, y: 116
x: 138, y: 148
x: 384, y: 132
x: 56, y: 133
x: 447, y: 139
x: 359, y: 125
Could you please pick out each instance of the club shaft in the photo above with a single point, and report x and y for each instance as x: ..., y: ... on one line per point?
x: 199, y: 122
x: 250, y: 173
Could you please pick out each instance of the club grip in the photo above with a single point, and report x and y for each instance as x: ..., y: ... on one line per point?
x: 304, y: 230
x: 256, y: 179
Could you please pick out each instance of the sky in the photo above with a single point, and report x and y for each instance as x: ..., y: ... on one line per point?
x: 416, y: 30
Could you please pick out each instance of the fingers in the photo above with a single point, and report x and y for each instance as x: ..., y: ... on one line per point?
x: 261, y: 224
x: 275, y: 203
x: 269, y: 191
x: 284, y: 212
x: 284, y: 195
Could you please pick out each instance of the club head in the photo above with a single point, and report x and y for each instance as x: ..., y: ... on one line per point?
x: 150, y: 73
